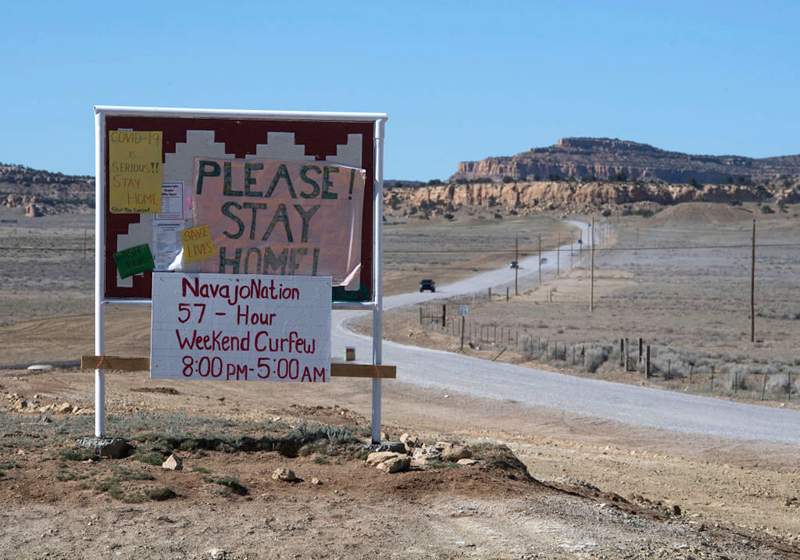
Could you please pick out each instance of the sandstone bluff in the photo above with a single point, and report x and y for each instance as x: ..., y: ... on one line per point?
x: 622, y: 160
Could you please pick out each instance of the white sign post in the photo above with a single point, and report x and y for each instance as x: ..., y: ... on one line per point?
x: 242, y: 327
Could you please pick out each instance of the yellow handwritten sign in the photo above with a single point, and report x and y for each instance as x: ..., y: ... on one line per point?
x: 135, y: 171
x: 197, y: 244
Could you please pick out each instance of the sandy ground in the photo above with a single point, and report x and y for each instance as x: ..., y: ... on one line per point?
x: 747, y: 492
x: 736, y: 500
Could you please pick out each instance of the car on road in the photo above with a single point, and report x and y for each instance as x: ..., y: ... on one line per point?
x: 427, y: 285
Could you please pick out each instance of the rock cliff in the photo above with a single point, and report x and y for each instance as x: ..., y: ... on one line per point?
x: 521, y: 198
x: 41, y: 192
x: 611, y: 159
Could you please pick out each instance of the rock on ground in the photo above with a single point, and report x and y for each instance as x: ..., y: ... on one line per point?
x: 172, y: 463
x: 284, y: 474
x: 395, y: 464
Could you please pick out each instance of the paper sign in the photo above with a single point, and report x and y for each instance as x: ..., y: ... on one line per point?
x: 135, y: 171
x: 197, y: 244
x: 134, y: 260
x: 281, y: 217
x: 242, y: 327
x: 172, y: 202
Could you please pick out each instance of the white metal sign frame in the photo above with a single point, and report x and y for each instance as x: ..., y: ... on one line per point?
x: 375, y: 305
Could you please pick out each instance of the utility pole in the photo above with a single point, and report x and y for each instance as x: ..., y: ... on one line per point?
x: 591, y: 282
x: 540, y: 259
x: 558, y: 256
x: 516, y: 265
x: 753, y: 287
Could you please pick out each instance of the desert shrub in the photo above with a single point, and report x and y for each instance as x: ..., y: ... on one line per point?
x: 231, y: 484
x: 738, y: 378
x: 160, y: 494
x: 596, y: 356
x: 150, y: 458
x: 76, y: 454
x: 767, y: 209
x: 671, y: 364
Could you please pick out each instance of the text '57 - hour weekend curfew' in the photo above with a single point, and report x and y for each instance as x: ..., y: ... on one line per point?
x: 241, y: 328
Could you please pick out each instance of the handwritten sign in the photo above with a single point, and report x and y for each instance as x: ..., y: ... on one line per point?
x: 197, y: 244
x: 241, y: 327
x: 134, y: 260
x: 135, y: 171
x: 281, y: 217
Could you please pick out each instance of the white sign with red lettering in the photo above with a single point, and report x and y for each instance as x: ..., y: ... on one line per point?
x: 242, y: 327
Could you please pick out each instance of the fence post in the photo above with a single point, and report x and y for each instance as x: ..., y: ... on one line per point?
x: 621, y: 352
x: 490, y: 294
x: 641, y: 342
x: 647, y: 363
x: 420, y: 315
x: 789, y: 394
x: 711, y: 382
x: 627, y: 355
x: 764, y: 386
x: 507, y: 293
x: 462, y: 333
x: 444, y: 315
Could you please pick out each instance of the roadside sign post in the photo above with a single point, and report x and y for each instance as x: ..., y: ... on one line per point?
x: 184, y: 144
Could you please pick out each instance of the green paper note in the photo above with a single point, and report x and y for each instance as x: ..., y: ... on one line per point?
x: 134, y: 260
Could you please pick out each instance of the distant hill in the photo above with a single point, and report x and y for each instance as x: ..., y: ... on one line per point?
x: 41, y: 192
x: 610, y: 159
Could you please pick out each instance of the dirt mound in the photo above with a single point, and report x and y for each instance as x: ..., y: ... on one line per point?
x: 498, y: 472
x: 702, y: 212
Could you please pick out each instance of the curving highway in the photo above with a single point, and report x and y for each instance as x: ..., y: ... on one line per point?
x: 627, y: 404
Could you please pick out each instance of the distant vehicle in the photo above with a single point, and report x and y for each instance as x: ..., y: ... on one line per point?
x: 543, y: 260
x: 514, y: 264
x: 427, y: 284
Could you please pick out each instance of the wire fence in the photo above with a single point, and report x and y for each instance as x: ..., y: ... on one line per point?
x: 636, y: 357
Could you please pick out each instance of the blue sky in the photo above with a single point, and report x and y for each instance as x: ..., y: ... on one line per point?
x: 460, y: 80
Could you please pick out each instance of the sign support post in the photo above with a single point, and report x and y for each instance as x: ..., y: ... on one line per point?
x: 377, y: 311
x: 99, y: 274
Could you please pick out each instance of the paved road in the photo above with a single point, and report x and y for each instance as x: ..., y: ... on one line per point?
x: 628, y: 404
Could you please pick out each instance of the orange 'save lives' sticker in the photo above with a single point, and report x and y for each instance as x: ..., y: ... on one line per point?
x: 197, y: 244
x: 135, y: 171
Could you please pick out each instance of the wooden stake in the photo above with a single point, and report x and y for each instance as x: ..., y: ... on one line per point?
x: 641, y: 342
x: 627, y: 354
x: 338, y: 369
